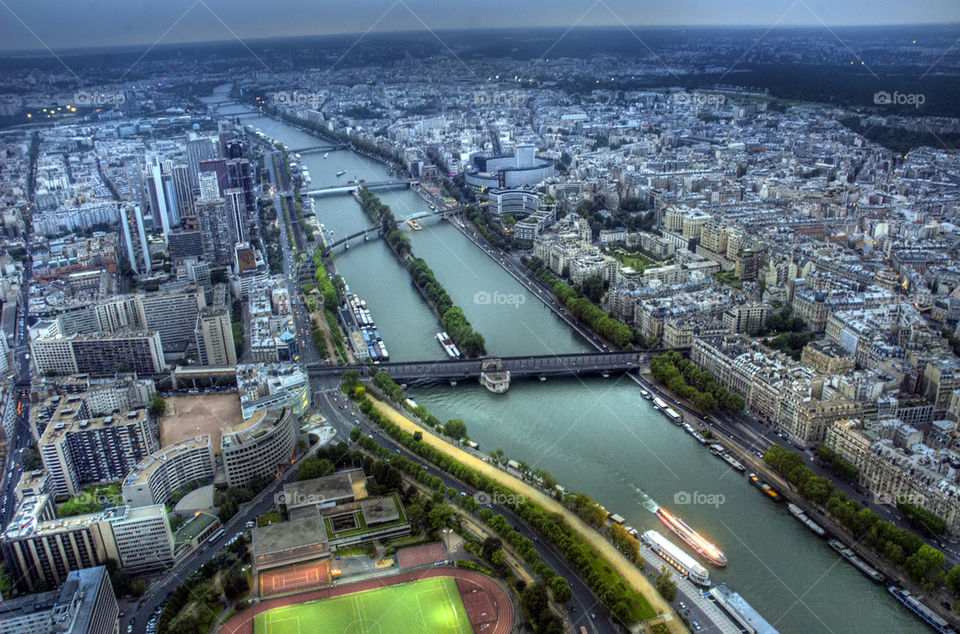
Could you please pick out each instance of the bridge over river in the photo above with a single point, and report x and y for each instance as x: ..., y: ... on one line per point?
x: 540, y: 366
x: 349, y: 187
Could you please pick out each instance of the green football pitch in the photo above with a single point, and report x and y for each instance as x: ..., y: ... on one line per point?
x: 429, y: 606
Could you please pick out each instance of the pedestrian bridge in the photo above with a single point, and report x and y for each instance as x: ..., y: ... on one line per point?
x: 535, y: 366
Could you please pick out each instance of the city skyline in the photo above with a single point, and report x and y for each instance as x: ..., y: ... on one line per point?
x: 61, y: 25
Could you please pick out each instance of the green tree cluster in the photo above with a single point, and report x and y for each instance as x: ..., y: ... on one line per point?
x: 456, y: 429
x: 689, y: 382
x: 899, y: 546
x: 469, y: 341
x: 536, y: 604
x: 314, y: 467
x: 386, y: 385
x: 488, y: 228
x: 327, y: 292
x: 613, y: 330
x: 123, y: 584
x: 926, y: 521
x: 158, y: 406
x: 229, y: 501
x: 627, y: 543
x: 666, y: 586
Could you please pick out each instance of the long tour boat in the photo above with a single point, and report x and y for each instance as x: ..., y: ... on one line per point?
x: 692, y: 538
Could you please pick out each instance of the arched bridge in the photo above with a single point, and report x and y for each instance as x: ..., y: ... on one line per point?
x: 446, y: 212
x: 560, y: 365
x: 349, y: 187
x: 345, y: 242
x: 374, y: 232
x: 320, y: 148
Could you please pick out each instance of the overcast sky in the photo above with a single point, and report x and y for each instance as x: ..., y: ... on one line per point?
x: 58, y: 24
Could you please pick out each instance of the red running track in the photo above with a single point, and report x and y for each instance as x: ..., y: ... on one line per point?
x: 486, y: 601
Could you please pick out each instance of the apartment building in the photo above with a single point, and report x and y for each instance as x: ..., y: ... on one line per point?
x: 214, y: 336
x: 85, y: 604
x: 747, y: 318
x: 78, y: 451
x: 155, y: 478
x: 259, y: 446
x: 38, y: 550
x: 827, y: 357
x: 917, y: 474
x: 99, y: 355
x: 773, y: 386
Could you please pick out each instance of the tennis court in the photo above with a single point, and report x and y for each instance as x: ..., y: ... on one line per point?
x: 295, y: 578
x: 429, y: 606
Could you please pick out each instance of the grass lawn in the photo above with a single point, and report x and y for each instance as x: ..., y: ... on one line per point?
x: 428, y: 606
x: 634, y: 260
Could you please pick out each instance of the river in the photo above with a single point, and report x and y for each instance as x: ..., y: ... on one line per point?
x: 595, y: 435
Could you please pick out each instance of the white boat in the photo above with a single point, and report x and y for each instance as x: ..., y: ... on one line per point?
x: 325, y: 154
x: 733, y: 462
x: 798, y: 513
x: 673, y: 415
x: 448, y: 346
x: 916, y: 606
x: 740, y: 611
x: 674, y: 555
x: 341, y: 173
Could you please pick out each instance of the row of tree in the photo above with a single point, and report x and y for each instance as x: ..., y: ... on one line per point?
x: 383, y: 215
x: 327, y: 291
x: 843, y: 469
x: 689, y: 382
x: 271, y: 235
x: 922, y: 563
x: 611, y: 329
x: 454, y: 322
x: 625, y: 604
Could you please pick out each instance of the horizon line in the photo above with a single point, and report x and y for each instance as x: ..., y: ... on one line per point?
x: 74, y: 50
